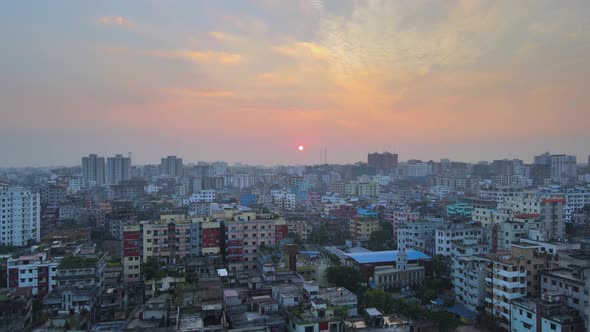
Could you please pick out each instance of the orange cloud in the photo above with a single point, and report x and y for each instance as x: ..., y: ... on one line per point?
x: 279, y: 78
x: 113, y: 20
x: 204, y: 93
x: 305, y: 50
x: 224, y: 36
x: 198, y: 56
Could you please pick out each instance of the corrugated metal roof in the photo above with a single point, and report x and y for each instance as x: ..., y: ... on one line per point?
x: 385, y: 256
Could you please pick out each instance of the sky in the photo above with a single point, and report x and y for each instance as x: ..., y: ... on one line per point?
x: 250, y: 81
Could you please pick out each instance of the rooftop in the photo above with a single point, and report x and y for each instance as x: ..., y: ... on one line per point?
x: 385, y: 256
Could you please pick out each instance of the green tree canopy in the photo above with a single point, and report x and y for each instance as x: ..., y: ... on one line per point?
x: 344, y: 276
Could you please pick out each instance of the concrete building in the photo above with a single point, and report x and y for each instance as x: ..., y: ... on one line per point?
x: 302, y: 228
x: 361, y: 188
x: 419, y: 235
x: 468, y: 277
x: 553, y: 215
x: 16, y: 309
x: 118, y: 169
x: 452, y: 233
x: 563, y: 166
x: 35, y: 271
x: 20, y: 217
x: 393, y: 268
x: 513, y: 275
x: 362, y: 227
x: 460, y: 210
x: 82, y: 271
x: 571, y: 283
x: 131, y: 255
x: 171, y: 166
x: 93, y: 171
x: 168, y: 239
x: 418, y: 170
x: 386, y: 162
x: 206, y: 236
x: 548, y: 313
x: 245, y: 233
x: 397, y: 216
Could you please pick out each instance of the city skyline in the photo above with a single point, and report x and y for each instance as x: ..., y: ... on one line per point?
x: 252, y: 81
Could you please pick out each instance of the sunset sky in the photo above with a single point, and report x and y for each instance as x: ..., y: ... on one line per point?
x: 250, y: 81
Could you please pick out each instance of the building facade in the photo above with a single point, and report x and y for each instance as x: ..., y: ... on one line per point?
x: 20, y: 217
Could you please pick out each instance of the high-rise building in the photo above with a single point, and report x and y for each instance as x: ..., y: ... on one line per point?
x: 20, y: 217
x: 171, y: 166
x: 553, y: 215
x: 563, y: 166
x: 386, y: 161
x: 93, y: 170
x: 118, y: 169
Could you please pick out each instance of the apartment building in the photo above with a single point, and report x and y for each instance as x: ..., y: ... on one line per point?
x: 93, y: 171
x: 362, y: 227
x: 118, y: 169
x: 453, y: 233
x: 468, y: 277
x: 419, y: 235
x: 210, y: 236
x: 35, y: 271
x: 168, y: 239
x: 397, y: 216
x: 571, y: 283
x: 300, y: 227
x: 548, y: 313
x: 361, y: 188
x: 553, y: 215
x: 20, y: 217
x: 132, y: 251
x: 513, y: 275
x: 245, y: 232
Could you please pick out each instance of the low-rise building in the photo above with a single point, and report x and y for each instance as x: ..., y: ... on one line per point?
x: 548, y: 313
x: 16, y: 309
x: 35, y: 271
x: 571, y: 283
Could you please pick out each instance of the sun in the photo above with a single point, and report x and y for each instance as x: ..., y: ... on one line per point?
x: 301, y: 148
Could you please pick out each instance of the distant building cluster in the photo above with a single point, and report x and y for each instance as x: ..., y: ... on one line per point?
x: 109, y: 245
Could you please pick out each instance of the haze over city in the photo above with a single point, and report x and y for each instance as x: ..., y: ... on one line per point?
x: 250, y: 81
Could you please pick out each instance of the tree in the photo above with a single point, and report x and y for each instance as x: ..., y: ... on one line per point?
x: 440, y: 265
x: 377, y: 298
x: 488, y: 322
x: 381, y: 240
x: 344, y: 276
x: 152, y: 270
x: 341, y: 313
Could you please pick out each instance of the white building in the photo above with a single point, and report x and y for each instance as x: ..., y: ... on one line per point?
x: 332, y: 199
x: 75, y: 184
x: 202, y: 196
x: 32, y: 271
x: 447, y: 237
x: 468, y: 276
x: 20, y: 217
x: 418, y: 170
x: 283, y: 199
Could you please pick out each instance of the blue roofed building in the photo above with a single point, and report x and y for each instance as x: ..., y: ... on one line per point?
x: 362, y: 212
x: 462, y: 210
x: 391, y: 268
